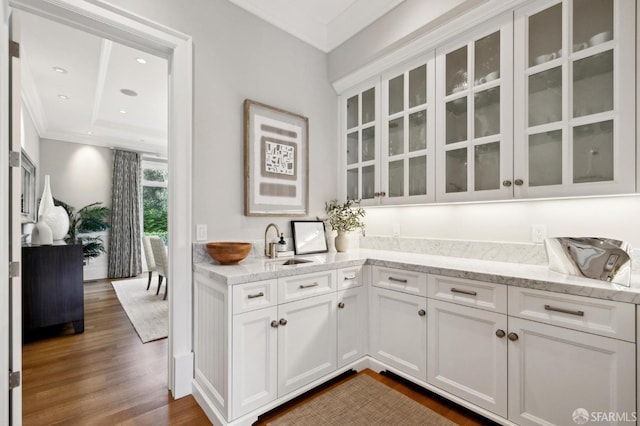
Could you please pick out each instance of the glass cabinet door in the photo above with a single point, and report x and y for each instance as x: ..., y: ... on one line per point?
x: 474, y: 116
x: 360, y: 133
x: 574, y: 76
x: 408, y: 174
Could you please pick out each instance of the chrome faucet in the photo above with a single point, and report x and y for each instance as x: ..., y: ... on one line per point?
x: 269, y: 250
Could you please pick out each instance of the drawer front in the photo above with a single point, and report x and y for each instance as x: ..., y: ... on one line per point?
x: 400, y: 280
x: 256, y: 295
x: 350, y: 277
x: 306, y: 285
x: 597, y: 316
x: 479, y: 294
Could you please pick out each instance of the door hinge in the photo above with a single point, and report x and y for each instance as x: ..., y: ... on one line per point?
x: 14, y: 269
x: 14, y: 49
x: 14, y: 379
x: 14, y: 159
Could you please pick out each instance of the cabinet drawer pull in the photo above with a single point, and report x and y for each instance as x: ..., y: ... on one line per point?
x: 564, y: 311
x: 274, y: 324
x: 513, y: 337
x: 500, y: 333
x: 283, y: 321
x: 350, y: 277
x: 470, y: 293
x: 398, y: 280
x: 253, y: 296
x: 308, y: 285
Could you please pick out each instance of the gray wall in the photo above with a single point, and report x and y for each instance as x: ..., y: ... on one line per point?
x: 239, y: 56
x: 30, y: 138
x: 405, y: 22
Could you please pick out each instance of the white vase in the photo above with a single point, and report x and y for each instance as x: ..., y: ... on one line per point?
x: 341, y: 241
x: 54, y: 216
x: 41, y: 234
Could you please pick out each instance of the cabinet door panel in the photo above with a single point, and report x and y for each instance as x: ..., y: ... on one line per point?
x: 306, y: 341
x: 352, y: 325
x: 466, y: 357
x: 254, y: 363
x: 554, y: 371
x: 398, y: 331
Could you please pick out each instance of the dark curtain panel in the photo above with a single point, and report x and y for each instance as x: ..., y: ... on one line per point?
x: 124, y: 242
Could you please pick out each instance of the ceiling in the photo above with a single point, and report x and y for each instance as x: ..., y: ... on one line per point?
x: 324, y: 24
x: 86, y: 104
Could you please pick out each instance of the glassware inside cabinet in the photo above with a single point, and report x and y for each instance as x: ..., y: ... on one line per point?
x: 418, y: 86
x: 456, y: 71
x: 418, y: 175
x: 456, y: 167
x: 396, y: 136
x: 368, y: 106
x: 545, y: 158
x: 592, y: 23
x: 456, y: 120
x: 396, y: 178
x: 368, y: 144
x: 396, y: 94
x: 368, y: 182
x: 352, y: 148
x: 593, y: 152
x: 418, y: 131
x: 545, y: 35
x: 487, y: 58
x: 487, y: 112
x: 593, y: 84
x: 545, y: 97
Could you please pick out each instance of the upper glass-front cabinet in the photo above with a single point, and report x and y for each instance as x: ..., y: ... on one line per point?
x: 361, y: 142
x: 574, y: 102
x: 408, y: 134
x: 474, y: 115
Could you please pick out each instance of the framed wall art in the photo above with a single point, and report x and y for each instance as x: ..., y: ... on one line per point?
x: 276, y: 161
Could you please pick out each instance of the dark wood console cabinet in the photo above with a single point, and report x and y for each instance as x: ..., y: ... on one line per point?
x: 52, y: 286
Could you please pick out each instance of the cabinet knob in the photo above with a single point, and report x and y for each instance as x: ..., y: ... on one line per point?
x: 422, y: 312
x: 283, y: 321
x: 506, y: 183
x: 341, y: 305
x: 376, y: 194
x: 383, y: 194
x: 274, y: 324
x: 513, y: 337
x: 500, y: 333
x: 519, y: 182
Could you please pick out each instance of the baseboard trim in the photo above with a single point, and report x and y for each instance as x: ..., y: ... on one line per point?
x: 183, y: 375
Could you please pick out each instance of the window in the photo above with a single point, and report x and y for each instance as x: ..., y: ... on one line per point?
x: 154, y: 198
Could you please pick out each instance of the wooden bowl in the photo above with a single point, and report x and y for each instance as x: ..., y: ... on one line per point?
x: 228, y: 253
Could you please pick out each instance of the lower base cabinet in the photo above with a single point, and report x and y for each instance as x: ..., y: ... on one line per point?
x: 556, y: 373
x: 399, y: 330
x: 352, y: 325
x: 467, y: 354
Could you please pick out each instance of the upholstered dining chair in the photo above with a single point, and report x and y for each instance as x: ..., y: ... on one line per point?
x: 162, y: 262
x: 148, y: 254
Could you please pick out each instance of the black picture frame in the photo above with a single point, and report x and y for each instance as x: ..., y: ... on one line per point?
x: 309, y: 236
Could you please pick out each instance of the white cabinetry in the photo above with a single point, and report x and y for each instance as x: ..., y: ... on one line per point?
x: 575, y: 84
x: 467, y: 347
x: 398, y: 328
x: 352, y: 325
x: 553, y: 371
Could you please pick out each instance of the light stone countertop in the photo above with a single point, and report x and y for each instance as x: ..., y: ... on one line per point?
x: 513, y: 274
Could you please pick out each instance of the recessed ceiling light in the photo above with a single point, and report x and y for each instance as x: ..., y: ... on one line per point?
x: 63, y: 97
x: 60, y: 70
x: 128, y: 92
x: 123, y: 111
x: 89, y: 132
x: 141, y: 60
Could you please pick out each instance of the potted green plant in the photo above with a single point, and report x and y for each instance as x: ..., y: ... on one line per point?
x: 344, y: 217
x: 90, y: 218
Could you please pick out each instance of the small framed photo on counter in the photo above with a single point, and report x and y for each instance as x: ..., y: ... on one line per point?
x: 308, y: 236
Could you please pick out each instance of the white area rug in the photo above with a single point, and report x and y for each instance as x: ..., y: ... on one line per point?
x: 148, y: 313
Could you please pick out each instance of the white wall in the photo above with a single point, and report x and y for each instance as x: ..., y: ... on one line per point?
x: 239, y: 56
x: 79, y: 174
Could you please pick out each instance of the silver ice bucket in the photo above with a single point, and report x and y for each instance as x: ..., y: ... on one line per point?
x: 597, y: 258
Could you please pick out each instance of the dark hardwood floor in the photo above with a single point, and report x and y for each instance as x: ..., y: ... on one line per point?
x: 107, y: 376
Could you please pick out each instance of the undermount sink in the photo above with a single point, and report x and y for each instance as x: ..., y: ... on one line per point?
x: 295, y: 261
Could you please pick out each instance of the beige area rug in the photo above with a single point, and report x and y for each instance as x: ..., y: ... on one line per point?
x: 361, y: 400
x: 148, y: 313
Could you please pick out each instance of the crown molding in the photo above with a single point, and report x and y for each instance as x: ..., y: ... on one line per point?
x: 148, y: 147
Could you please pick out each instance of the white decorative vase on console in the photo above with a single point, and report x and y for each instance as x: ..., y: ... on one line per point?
x: 342, y: 241
x: 54, y: 216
